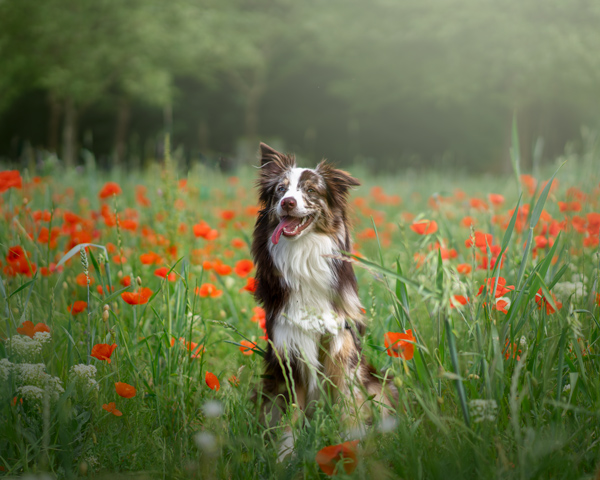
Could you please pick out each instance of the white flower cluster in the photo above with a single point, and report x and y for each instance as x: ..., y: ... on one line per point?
x: 34, y: 375
x: 483, y: 410
x: 28, y: 348
x: 5, y: 369
x: 30, y: 393
x: 576, y: 287
x: 84, y: 375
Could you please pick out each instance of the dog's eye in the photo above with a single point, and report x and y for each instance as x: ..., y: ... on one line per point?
x: 281, y: 188
x: 310, y: 190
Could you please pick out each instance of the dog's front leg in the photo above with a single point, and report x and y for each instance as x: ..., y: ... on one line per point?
x: 296, y: 418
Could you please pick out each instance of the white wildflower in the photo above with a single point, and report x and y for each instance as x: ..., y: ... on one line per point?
x: 31, y: 374
x: 30, y: 393
x: 84, y: 375
x: 567, y: 388
x: 523, y: 341
x: 206, y: 441
x: 42, y: 337
x: 483, y: 410
x: 24, y: 347
x: 5, y: 369
x: 212, y: 409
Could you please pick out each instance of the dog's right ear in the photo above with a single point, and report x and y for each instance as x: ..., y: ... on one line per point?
x: 274, y: 160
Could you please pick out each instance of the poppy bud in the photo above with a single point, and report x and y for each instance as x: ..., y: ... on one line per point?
x: 106, y: 307
x: 105, y: 315
x: 138, y: 281
x: 120, y: 273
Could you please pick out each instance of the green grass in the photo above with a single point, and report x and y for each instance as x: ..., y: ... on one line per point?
x: 172, y: 428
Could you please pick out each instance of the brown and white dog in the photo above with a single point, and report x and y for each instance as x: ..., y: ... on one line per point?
x: 313, y: 314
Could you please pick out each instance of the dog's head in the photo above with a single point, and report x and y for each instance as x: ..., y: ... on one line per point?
x: 299, y: 201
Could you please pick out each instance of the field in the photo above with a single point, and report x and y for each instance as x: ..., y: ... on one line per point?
x: 144, y: 349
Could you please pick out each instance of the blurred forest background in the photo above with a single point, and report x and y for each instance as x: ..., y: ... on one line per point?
x: 395, y: 82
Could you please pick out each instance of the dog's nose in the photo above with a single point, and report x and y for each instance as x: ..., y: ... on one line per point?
x: 288, y: 203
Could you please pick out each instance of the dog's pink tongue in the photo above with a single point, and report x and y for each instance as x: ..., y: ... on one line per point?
x: 285, y: 221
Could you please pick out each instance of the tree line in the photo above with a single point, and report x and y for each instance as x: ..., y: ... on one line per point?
x: 395, y: 82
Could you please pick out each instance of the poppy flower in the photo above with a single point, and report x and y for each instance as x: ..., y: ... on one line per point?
x: 139, y: 297
x: 250, y: 285
x: 82, y: 280
x: 220, y: 268
x: 542, y: 302
x: 328, y: 458
x: 501, y: 288
x: 125, y: 281
x: 227, y: 215
x: 150, y: 258
x: 243, y: 267
x: 208, y: 290
x: 111, y: 408
x: 496, y: 199
x: 481, y: 241
x: 458, y: 301
x: 502, y: 304
x: 10, y: 179
x: 77, y: 307
x: 212, y: 381
x: 424, y: 227
x: 398, y: 346
x: 464, y: 268
x: 27, y: 328
x: 162, y: 273
x: 238, y: 243
x: 247, y: 347
x: 109, y: 189
x: 125, y: 390
x: 196, y: 349
x: 103, y: 351
x: 234, y: 381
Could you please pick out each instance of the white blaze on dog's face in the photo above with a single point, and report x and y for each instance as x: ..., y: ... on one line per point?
x: 299, y: 202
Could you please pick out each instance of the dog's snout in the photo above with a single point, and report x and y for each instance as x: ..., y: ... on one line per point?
x: 288, y: 203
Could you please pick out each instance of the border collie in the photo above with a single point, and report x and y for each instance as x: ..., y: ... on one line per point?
x: 313, y: 314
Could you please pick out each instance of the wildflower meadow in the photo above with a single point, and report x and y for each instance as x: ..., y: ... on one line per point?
x: 131, y: 344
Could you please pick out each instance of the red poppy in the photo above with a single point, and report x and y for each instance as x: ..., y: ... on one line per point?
x: 238, y: 243
x: 457, y: 300
x: 110, y: 189
x: 247, y: 347
x: 234, y: 381
x: 150, y: 258
x: 125, y: 390
x: 162, y: 273
x: 221, y: 268
x: 398, y: 346
x: 243, y: 267
x: 103, y: 351
x: 111, y: 408
x: 496, y: 199
x: 501, y: 289
x: 82, y: 279
x: 212, y: 381
x: 542, y: 302
x: 138, y: 297
x: 27, y: 328
x: 424, y: 227
x: 464, y: 268
x: 481, y: 241
x: 501, y: 305
x: 77, y: 307
x: 208, y: 290
x: 511, y: 350
x: 10, y: 179
x: 227, y: 214
x: 250, y: 285
x: 328, y: 458
x: 196, y: 349
x: 125, y: 281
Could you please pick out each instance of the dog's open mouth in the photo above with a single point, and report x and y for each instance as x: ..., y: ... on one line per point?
x: 290, y: 227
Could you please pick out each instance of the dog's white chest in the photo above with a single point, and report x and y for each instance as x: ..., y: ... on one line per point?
x: 310, y: 281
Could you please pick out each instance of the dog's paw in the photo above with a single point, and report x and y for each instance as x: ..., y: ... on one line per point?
x: 286, y: 448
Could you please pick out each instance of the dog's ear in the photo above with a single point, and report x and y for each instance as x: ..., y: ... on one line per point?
x: 271, y: 159
x: 338, y: 181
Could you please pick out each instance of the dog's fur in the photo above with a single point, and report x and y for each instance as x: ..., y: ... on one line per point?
x: 313, y: 314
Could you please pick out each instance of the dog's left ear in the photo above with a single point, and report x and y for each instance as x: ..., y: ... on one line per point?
x: 337, y: 180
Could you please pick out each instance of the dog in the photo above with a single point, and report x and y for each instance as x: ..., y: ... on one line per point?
x: 314, y: 317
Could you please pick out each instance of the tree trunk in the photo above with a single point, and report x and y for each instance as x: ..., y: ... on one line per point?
x: 69, y: 152
x: 53, y: 123
x: 121, y: 130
